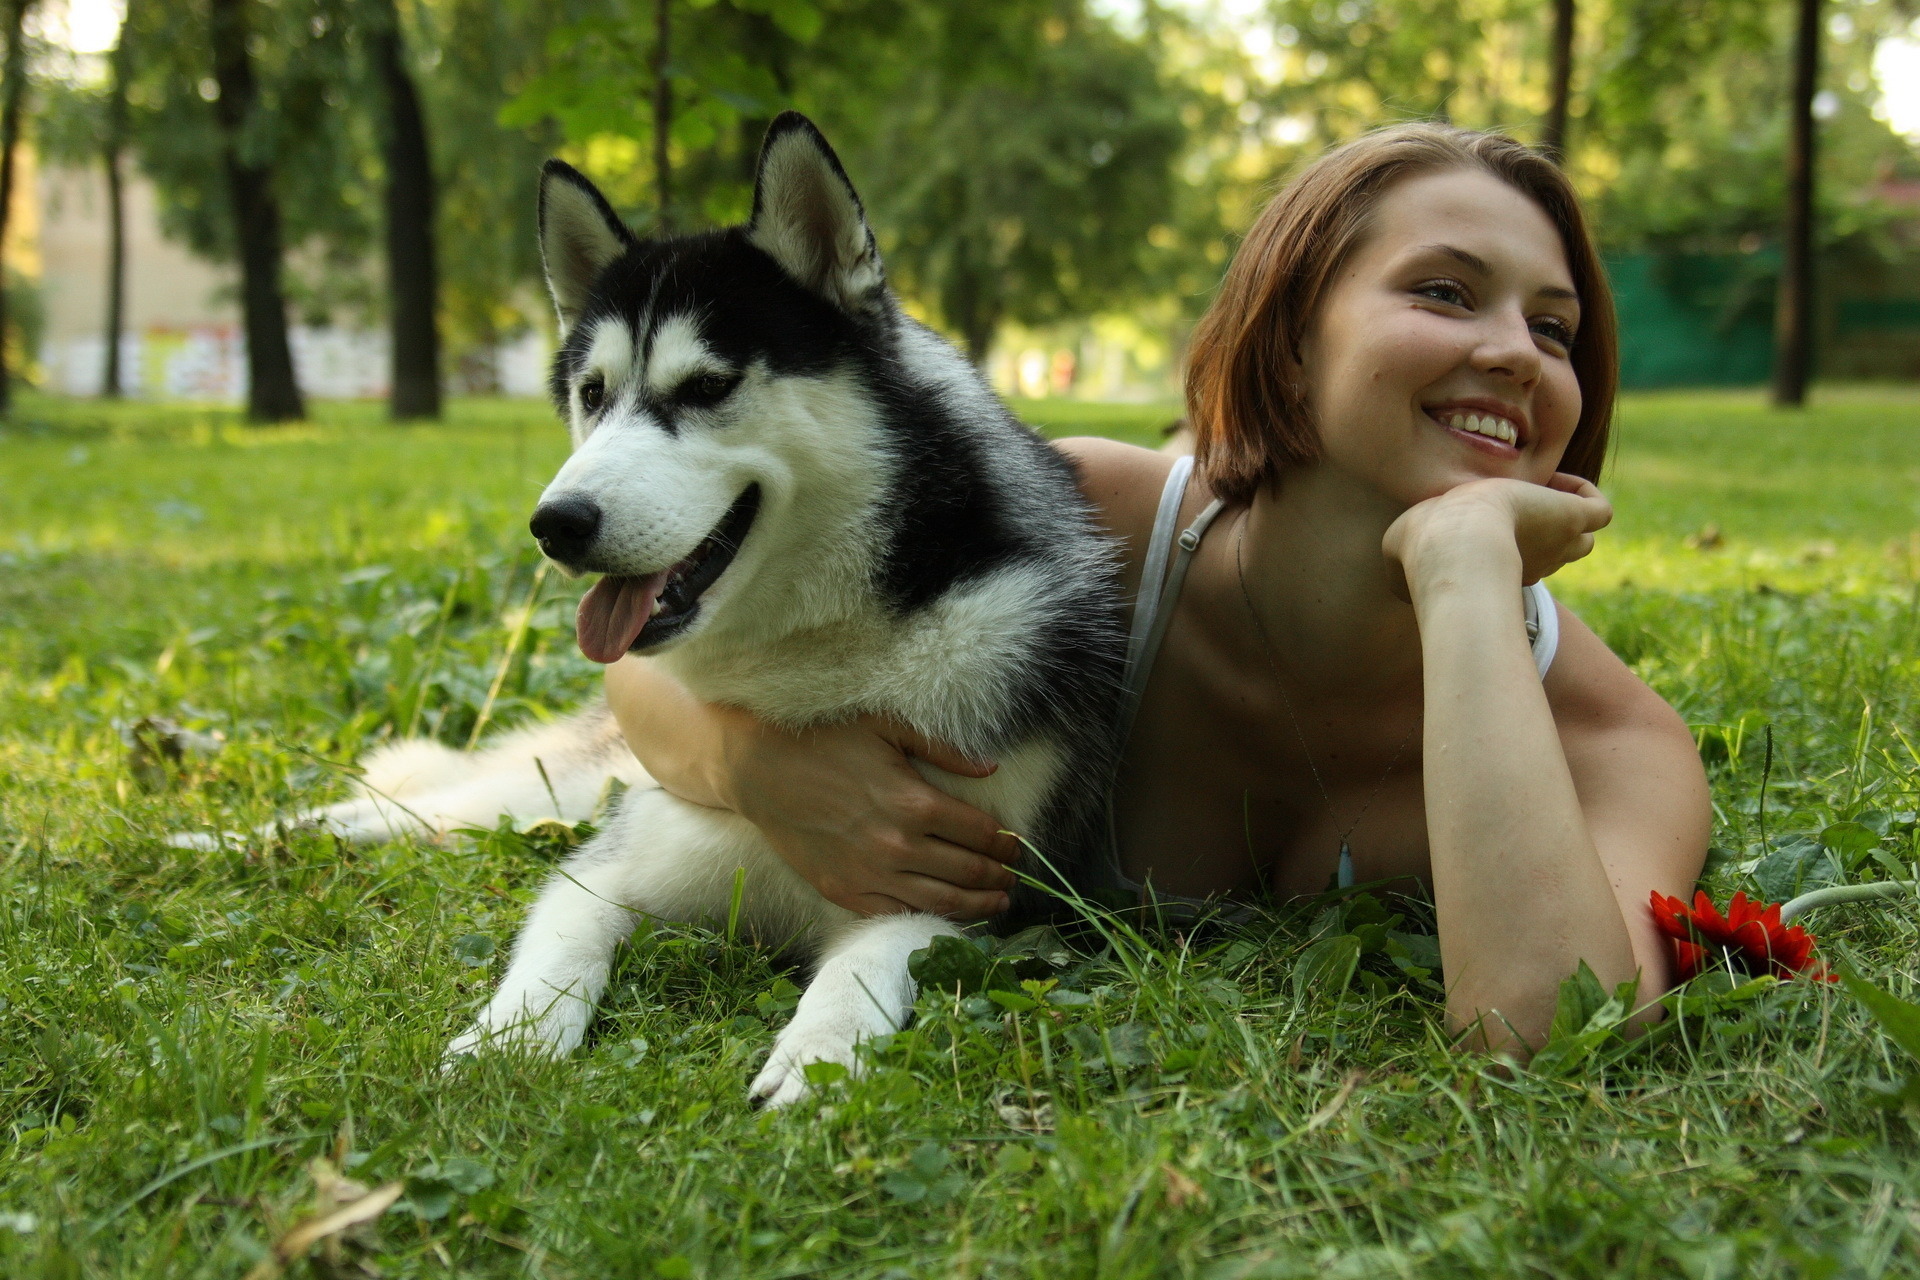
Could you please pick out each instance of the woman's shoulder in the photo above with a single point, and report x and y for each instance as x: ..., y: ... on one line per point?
x: 1593, y: 692
x: 1124, y: 483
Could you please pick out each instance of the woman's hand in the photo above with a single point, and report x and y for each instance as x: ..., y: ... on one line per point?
x: 1496, y: 525
x: 842, y: 803
x: 844, y: 806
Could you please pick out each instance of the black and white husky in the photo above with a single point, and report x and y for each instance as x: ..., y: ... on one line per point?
x: 806, y: 504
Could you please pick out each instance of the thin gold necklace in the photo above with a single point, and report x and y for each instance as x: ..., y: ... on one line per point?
x: 1344, y: 877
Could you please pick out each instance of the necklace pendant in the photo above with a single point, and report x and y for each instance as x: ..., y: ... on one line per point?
x: 1345, y: 876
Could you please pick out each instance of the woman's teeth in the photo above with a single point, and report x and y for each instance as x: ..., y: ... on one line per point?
x: 1481, y: 424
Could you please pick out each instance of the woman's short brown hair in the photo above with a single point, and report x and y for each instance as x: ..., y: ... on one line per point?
x: 1249, y: 416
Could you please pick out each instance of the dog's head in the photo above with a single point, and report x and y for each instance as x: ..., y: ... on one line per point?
x: 705, y: 380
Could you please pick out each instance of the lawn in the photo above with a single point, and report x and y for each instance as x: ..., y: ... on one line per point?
x: 194, y: 1043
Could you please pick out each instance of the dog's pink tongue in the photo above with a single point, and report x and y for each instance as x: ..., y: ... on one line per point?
x: 613, y: 613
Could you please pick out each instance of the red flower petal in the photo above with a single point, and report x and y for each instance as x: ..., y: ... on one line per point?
x: 1750, y: 937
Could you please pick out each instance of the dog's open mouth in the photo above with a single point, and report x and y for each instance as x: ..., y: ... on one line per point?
x: 627, y: 613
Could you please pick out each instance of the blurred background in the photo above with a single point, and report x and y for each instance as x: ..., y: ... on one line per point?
x: 265, y: 201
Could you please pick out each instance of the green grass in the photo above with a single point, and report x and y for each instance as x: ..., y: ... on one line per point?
x: 183, y: 1034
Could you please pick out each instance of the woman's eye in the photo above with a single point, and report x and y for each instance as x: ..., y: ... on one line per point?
x: 1443, y: 291
x: 593, y: 394
x: 708, y: 388
x: 1555, y: 330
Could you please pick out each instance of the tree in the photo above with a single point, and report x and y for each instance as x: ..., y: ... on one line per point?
x: 1553, y: 135
x: 1024, y: 186
x: 413, y: 288
x: 481, y: 51
x: 113, y: 146
x: 13, y: 98
x: 272, y: 393
x: 662, y: 113
x: 1793, y: 311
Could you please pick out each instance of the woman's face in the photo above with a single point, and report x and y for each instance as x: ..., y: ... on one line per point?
x: 1440, y: 351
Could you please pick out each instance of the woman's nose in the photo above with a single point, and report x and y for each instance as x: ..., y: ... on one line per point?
x: 1507, y: 347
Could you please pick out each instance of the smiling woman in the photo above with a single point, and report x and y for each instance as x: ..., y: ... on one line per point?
x: 1345, y: 667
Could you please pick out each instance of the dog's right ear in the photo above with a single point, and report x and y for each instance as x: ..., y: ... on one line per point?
x: 579, y: 235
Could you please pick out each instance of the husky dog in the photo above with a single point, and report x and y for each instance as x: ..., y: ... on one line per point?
x: 806, y: 504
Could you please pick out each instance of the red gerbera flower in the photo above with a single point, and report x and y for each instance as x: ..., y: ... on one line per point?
x: 1750, y: 936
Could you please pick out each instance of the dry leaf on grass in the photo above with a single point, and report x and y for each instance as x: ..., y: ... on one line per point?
x: 341, y: 1204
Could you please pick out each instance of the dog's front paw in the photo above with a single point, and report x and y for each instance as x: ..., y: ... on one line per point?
x: 552, y: 1033
x: 814, y: 1035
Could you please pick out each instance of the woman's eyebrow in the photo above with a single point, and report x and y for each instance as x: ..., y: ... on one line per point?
x: 1474, y: 262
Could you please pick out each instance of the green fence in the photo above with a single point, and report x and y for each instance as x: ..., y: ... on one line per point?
x: 1695, y: 319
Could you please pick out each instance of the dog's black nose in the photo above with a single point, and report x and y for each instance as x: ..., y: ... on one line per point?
x: 566, y: 526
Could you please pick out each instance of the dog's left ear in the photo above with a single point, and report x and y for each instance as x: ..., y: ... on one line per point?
x: 807, y: 218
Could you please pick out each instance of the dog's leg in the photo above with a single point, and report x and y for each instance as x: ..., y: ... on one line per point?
x: 860, y: 990
x: 560, y: 962
x: 658, y: 856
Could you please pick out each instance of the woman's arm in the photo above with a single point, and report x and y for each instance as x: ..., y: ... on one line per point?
x: 842, y: 804
x: 1534, y: 869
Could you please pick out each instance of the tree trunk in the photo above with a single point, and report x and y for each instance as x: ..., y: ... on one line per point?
x: 10, y: 109
x: 1553, y: 134
x: 662, y: 115
x: 272, y: 393
x: 114, y: 147
x: 412, y: 280
x: 1793, y: 309
x: 969, y: 306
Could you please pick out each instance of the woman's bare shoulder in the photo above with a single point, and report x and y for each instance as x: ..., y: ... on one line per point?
x: 1123, y: 481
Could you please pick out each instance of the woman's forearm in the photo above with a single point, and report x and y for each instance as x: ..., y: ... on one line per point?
x: 676, y: 736
x: 1520, y: 891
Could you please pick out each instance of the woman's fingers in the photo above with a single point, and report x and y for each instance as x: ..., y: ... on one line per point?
x: 940, y: 898
x: 941, y: 755
x: 961, y: 824
x: 1594, y: 505
x: 959, y: 867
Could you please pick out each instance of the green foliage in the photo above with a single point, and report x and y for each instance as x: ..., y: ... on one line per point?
x: 186, y: 1032
x: 1900, y: 1019
x: 1023, y: 184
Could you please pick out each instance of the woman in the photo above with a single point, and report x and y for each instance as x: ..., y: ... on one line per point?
x: 1401, y: 398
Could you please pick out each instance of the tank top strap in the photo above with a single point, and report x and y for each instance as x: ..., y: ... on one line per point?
x: 1543, y: 625
x: 1161, y: 576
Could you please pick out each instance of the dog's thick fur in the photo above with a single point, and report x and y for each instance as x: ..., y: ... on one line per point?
x: 916, y: 552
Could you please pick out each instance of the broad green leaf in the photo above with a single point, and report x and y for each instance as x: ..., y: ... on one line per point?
x: 1040, y: 942
x: 1126, y: 1045
x: 819, y: 1073
x: 474, y: 949
x: 1898, y: 1018
x: 1795, y: 865
x: 949, y: 964
x: 1849, y: 839
x: 1325, y: 969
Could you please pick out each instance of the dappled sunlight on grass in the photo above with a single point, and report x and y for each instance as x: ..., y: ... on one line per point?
x: 186, y: 1031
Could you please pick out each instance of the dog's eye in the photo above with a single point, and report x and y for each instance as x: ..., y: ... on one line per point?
x: 593, y: 394
x: 707, y: 388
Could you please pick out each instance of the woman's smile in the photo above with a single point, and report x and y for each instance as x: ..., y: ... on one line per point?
x: 1495, y: 429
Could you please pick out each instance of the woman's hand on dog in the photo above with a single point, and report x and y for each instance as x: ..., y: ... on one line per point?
x: 842, y: 804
